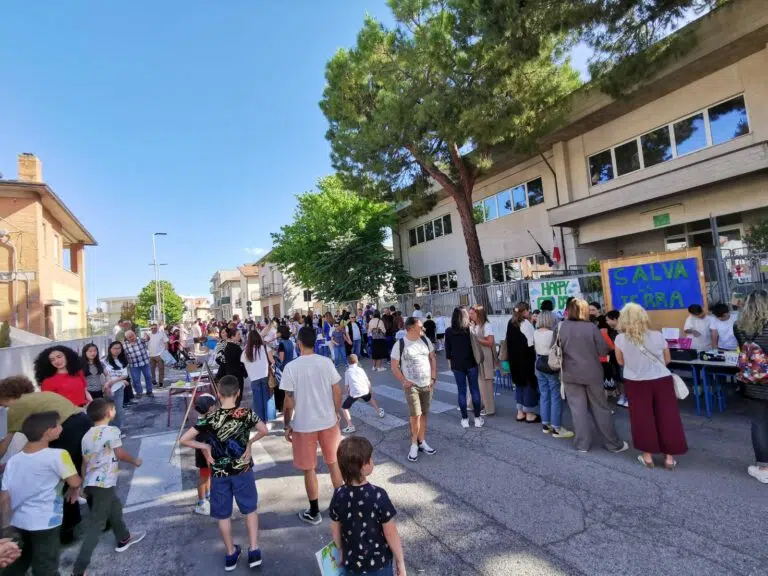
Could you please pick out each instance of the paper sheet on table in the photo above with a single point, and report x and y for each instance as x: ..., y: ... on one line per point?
x: 670, y: 333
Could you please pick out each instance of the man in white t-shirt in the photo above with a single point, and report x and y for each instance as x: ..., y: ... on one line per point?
x: 721, y: 328
x: 311, y: 417
x: 417, y: 313
x: 415, y: 365
x: 197, y: 333
x: 157, y: 344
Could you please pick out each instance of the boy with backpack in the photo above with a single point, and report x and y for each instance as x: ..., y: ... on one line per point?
x: 415, y: 366
x: 228, y: 452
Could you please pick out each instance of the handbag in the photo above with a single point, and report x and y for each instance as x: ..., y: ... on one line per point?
x: 681, y: 390
x: 503, y: 352
x: 555, y: 357
x: 271, y: 379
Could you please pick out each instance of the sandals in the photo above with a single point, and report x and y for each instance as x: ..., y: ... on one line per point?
x: 670, y: 465
x: 644, y: 463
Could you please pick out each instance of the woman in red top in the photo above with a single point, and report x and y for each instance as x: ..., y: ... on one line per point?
x: 58, y: 369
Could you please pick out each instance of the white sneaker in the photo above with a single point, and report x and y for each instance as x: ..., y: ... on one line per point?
x: 380, y: 412
x: 624, y: 447
x: 426, y: 448
x: 413, y: 453
x: 757, y: 474
x: 482, y: 412
x: 479, y: 422
x: 204, y: 508
x: 349, y: 430
x: 465, y: 422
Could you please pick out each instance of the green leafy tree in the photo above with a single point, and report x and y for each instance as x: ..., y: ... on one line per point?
x: 428, y: 101
x: 630, y: 40
x: 173, y: 305
x: 335, y: 244
x: 128, y: 310
x: 756, y: 237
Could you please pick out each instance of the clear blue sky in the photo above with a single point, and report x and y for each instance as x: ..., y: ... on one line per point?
x: 195, y: 118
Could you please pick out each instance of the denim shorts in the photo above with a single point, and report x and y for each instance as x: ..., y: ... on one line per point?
x: 223, y: 488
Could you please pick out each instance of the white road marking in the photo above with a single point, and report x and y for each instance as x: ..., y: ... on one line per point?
x: 436, y: 407
x: 447, y: 373
x: 156, y: 477
x: 260, y: 457
x: 369, y: 416
x: 190, y: 495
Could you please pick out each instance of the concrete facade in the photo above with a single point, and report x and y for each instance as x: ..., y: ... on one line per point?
x: 279, y: 295
x: 250, y: 289
x: 662, y: 191
x: 225, y: 288
x: 46, y: 295
x: 112, y: 307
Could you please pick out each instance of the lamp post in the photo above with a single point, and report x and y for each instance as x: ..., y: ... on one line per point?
x: 158, y: 302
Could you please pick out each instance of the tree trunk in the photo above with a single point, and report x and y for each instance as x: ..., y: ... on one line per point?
x: 469, y: 228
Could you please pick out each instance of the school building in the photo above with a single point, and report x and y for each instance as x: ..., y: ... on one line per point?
x: 623, y: 177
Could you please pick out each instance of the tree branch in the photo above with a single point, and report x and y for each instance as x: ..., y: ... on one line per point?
x: 467, y: 179
x: 439, y: 176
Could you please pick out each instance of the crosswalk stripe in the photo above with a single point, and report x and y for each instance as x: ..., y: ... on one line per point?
x: 436, y: 407
x: 447, y: 373
x: 157, y: 476
x: 260, y: 457
x: 369, y: 416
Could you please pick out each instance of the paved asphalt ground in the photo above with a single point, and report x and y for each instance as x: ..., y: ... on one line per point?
x: 504, y: 499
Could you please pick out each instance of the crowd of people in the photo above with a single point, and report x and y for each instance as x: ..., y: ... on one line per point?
x: 67, y: 435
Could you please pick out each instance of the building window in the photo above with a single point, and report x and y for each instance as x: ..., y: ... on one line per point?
x: 690, y: 135
x: 657, y: 147
x: 601, y: 167
x: 56, y: 248
x: 45, y: 240
x: 436, y: 283
x: 728, y: 120
x: 715, y: 125
x: 627, y: 158
x: 508, y: 201
x: 430, y: 230
x: 489, y: 208
x: 515, y: 269
x: 535, y: 192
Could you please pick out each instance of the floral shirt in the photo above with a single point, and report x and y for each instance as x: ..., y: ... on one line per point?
x: 228, y: 431
x: 99, y: 445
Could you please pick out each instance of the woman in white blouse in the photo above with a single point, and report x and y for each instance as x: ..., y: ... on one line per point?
x: 116, y: 372
x: 483, y: 331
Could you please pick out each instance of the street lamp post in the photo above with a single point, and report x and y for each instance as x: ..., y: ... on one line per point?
x: 158, y: 302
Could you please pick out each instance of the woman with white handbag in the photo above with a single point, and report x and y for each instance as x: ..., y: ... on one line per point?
x: 653, y: 411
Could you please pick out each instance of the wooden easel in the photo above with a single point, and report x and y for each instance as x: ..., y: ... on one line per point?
x: 212, y: 382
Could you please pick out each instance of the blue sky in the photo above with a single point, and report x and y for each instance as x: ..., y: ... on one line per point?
x: 176, y: 117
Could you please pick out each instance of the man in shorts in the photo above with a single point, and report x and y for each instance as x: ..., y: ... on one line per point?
x: 311, y: 416
x: 415, y: 365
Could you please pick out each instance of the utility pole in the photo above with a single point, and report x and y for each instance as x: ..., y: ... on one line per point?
x: 158, y: 301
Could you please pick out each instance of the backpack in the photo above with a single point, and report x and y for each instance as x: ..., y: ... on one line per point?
x: 401, y: 343
x: 753, y: 364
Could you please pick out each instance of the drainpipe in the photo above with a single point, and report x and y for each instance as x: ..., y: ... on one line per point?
x: 6, y: 241
x: 557, y: 194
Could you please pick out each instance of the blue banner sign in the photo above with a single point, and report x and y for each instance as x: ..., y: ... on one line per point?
x: 670, y: 285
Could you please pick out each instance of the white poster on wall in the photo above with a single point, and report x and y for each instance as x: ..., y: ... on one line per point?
x: 558, y: 291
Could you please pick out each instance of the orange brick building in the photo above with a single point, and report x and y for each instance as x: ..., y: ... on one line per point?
x: 42, y: 257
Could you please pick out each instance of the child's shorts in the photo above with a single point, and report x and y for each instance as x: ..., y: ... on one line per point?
x: 223, y: 488
x: 348, y: 401
x: 200, y: 461
x: 205, y: 473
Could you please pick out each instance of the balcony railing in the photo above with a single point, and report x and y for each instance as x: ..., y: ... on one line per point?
x: 271, y: 289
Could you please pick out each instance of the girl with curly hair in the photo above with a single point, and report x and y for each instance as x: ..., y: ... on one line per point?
x: 58, y: 369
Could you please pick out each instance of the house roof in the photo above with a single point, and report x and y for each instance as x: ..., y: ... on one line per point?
x: 72, y: 227
x: 249, y: 270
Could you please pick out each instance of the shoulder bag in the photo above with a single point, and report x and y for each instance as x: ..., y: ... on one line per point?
x: 555, y: 358
x: 681, y: 390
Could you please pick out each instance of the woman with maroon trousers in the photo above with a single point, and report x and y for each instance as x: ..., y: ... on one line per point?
x: 653, y: 410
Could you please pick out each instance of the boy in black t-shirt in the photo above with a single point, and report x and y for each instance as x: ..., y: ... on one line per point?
x: 228, y: 452
x: 362, y: 516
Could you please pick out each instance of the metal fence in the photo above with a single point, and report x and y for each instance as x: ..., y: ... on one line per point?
x: 732, y: 274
